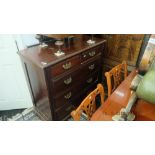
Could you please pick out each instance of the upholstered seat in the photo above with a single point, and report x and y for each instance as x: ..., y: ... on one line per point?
x: 146, y: 88
x: 152, y: 67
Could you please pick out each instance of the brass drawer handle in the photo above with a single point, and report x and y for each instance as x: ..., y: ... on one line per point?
x: 91, y: 67
x: 69, y: 108
x: 68, y: 81
x: 92, y: 53
x: 67, y: 66
x: 84, y: 55
x: 90, y: 80
x: 68, y: 96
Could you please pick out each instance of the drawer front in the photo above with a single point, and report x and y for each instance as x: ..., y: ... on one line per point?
x: 66, y: 82
x: 94, y: 78
x: 91, y: 53
x: 75, y: 77
x: 67, y: 96
x: 63, y: 112
x: 91, y: 66
x: 65, y: 66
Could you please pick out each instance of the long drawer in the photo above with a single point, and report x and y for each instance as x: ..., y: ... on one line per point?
x: 75, y: 77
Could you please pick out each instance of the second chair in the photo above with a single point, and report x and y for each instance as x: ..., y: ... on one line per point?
x: 115, y: 76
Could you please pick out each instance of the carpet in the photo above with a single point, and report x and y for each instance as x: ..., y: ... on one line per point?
x: 27, y: 115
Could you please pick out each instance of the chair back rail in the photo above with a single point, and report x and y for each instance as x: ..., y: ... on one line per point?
x: 115, y: 76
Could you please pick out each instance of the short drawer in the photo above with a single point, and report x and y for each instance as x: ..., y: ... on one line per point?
x: 65, y: 66
x: 92, y: 66
x: 91, y: 53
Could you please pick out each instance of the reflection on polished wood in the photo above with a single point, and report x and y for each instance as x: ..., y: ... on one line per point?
x: 143, y: 111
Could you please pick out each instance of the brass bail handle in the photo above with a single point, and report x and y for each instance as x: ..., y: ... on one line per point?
x: 67, y: 66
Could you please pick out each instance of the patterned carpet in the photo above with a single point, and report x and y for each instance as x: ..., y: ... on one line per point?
x: 21, y: 115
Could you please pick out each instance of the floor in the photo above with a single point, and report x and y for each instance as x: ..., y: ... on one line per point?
x: 26, y: 115
x: 30, y: 114
x: 8, y: 114
x: 21, y: 115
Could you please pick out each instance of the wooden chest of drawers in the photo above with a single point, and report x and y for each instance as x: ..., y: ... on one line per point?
x: 59, y: 84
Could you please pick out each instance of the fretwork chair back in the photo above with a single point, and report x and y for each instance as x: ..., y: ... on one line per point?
x: 88, y: 105
x: 115, y: 76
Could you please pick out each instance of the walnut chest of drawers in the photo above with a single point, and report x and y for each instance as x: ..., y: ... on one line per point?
x: 59, y: 84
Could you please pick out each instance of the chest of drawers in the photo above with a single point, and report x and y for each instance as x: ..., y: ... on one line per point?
x: 59, y: 84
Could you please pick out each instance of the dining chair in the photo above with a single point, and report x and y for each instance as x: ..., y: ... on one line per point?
x: 88, y: 105
x: 115, y: 76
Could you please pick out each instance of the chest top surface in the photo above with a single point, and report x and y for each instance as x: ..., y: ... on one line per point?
x: 44, y: 57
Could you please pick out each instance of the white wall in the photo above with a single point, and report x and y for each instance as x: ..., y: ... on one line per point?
x: 25, y: 40
x: 14, y: 92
